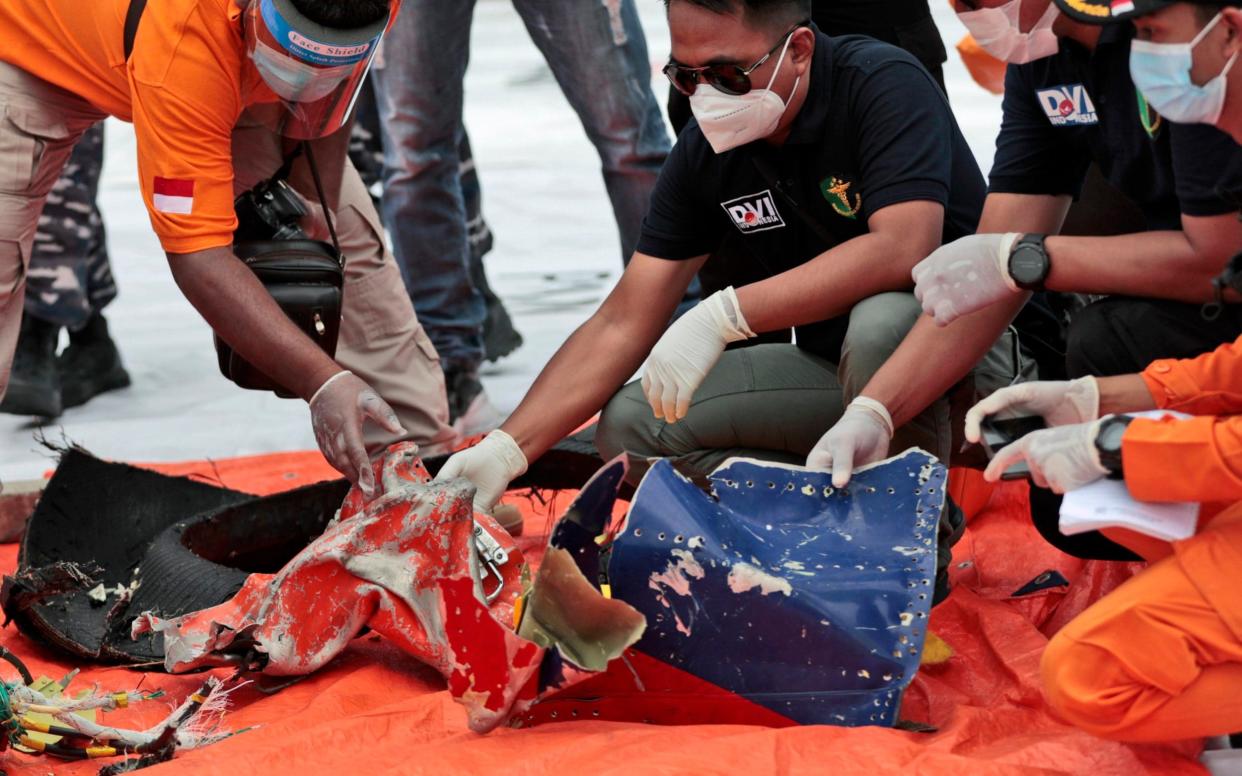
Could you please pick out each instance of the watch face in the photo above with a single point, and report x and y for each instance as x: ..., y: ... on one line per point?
x: 1027, y: 265
x: 1111, y: 434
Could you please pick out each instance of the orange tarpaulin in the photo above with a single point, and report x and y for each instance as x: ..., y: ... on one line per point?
x: 375, y: 710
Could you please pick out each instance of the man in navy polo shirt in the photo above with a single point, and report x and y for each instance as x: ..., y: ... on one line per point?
x: 1183, y: 176
x: 839, y: 164
x: 1074, y: 105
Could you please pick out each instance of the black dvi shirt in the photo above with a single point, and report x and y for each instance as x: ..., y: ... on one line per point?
x: 874, y: 131
x: 1078, y: 106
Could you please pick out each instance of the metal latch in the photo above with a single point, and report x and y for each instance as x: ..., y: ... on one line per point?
x: 319, y: 327
x: 493, y: 557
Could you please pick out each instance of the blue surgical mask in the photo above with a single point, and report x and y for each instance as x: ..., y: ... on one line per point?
x: 1161, y: 71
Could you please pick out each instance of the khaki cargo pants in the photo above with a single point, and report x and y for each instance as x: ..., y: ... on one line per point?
x: 381, y: 339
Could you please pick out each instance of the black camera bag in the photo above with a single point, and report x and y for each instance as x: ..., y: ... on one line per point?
x: 305, y: 277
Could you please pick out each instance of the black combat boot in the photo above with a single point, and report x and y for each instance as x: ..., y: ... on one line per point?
x: 91, y: 364
x: 34, y: 386
x: 499, y: 337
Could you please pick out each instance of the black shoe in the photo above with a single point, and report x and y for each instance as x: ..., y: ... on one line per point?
x: 499, y: 337
x: 34, y: 386
x: 952, y: 526
x: 91, y: 364
x: 470, y: 411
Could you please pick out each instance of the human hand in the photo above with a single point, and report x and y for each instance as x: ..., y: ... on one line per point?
x: 965, y: 276
x: 338, y: 411
x: 687, y: 352
x: 490, y: 465
x: 1059, y: 403
x: 1062, y: 458
x: 860, y: 437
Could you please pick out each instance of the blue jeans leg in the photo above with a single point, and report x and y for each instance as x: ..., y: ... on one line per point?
x: 598, y: 54
x: 419, y: 93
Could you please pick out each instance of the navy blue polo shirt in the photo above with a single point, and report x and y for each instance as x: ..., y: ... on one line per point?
x: 1078, y: 106
x: 874, y: 131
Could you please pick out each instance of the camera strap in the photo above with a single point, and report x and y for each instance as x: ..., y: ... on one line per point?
x: 132, y: 17
x: 323, y: 202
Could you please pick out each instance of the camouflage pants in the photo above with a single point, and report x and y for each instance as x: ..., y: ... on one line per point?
x: 70, y: 276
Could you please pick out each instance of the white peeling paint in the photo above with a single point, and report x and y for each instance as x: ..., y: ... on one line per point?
x: 910, y: 552
x: 677, y: 574
x: 744, y: 577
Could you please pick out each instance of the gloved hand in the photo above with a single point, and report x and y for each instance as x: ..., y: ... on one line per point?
x: 687, y: 352
x: 1060, y: 403
x: 860, y: 437
x: 491, y: 465
x: 338, y: 410
x: 1061, y: 458
x: 966, y: 275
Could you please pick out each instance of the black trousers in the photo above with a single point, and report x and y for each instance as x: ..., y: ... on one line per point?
x: 1121, y: 335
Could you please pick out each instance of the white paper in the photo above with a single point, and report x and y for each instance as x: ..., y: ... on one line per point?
x: 1108, y: 504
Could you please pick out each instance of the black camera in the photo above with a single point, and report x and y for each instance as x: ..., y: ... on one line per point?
x: 269, y: 211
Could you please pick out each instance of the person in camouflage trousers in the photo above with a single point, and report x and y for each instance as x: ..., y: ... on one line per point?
x: 67, y: 286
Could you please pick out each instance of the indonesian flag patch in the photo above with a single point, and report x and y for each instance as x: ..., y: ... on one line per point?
x: 1119, y: 7
x: 174, y: 196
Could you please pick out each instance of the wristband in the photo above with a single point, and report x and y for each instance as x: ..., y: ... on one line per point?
x: 877, y: 409
x: 328, y: 382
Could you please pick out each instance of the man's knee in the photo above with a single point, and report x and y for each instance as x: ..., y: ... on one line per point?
x: 627, y: 425
x: 877, y: 326
x: 1088, y: 687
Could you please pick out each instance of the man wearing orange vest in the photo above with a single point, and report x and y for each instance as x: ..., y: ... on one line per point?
x: 220, y: 92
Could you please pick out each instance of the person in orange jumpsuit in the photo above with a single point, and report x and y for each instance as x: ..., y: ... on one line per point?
x: 1160, y: 658
x: 220, y: 93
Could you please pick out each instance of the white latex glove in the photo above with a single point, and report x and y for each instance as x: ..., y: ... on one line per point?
x: 490, y: 465
x: 966, y: 275
x: 338, y: 410
x: 1060, y: 403
x: 860, y: 437
x: 688, y: 351
x: 1061, y: 458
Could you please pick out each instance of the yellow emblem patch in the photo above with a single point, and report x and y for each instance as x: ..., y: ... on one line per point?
x: 837, y: 192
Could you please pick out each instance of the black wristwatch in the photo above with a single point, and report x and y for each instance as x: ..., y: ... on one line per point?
x: 1108, y: 443
x: 1230, y: 277
x: 1028, y: 262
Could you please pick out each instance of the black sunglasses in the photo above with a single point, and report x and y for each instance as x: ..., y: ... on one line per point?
x: 730, y: 79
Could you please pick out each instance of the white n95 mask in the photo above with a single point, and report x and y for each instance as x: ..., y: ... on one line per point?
x: 732, y: 120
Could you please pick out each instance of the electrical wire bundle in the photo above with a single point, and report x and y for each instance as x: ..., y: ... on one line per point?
x: 26, y: 709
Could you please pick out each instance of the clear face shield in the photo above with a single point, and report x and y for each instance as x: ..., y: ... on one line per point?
x: 314, y: 72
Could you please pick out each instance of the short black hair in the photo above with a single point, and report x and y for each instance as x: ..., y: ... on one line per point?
x: 765, y: 14
x: 343, y: 14
x: 1206, y: 12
